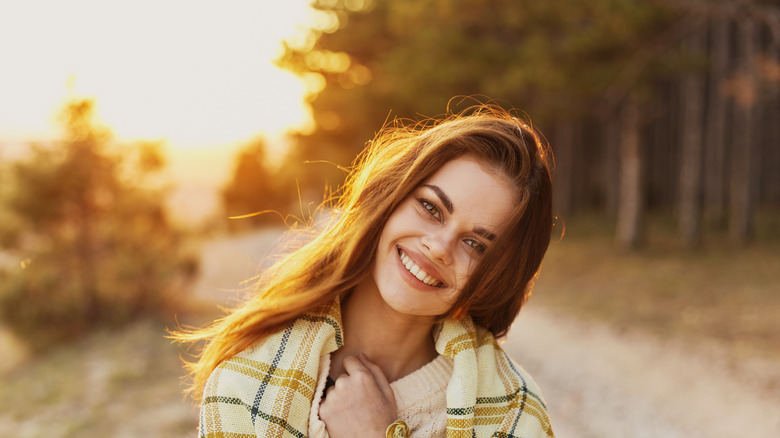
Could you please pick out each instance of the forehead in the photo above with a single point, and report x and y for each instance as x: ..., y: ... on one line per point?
x: 480, y: 193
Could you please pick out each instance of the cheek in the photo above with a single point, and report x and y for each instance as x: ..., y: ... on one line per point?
x: 466, y: 267
x: 397, y: 221
x: 452, y: 296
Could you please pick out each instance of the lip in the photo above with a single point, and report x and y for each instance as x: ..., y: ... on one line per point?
x: 420, y: 261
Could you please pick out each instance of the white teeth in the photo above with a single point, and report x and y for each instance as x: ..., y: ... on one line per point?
x: 417, y: 271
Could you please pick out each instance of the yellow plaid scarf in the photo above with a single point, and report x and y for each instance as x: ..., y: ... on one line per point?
x: 267, y: 390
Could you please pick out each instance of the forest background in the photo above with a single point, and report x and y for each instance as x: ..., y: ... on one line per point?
x: 664, y: 117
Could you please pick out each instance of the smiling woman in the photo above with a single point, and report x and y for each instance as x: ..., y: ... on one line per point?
x: 385, y: 323
x: 434, y: 238
x: 194, y: 73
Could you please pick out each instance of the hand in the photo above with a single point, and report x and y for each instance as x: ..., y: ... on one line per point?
x: 361, y: 403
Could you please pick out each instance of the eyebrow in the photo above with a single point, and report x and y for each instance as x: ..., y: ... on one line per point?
x: 484, y: 233
x: 445, y: 200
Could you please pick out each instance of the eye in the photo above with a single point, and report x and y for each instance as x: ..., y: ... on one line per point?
x: 431, y: 208
x: 476, y: 245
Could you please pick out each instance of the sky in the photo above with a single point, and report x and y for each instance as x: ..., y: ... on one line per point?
x: 195, y: 73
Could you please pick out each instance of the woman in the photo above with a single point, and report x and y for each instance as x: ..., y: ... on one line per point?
x: 433, y: 249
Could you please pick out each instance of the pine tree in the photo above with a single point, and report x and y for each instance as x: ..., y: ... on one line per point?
x: 93, y: 239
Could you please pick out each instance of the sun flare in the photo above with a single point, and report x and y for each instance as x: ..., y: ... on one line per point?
x: 192, y: 73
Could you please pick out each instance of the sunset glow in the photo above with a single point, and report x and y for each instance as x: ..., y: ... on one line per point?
x: 192, y: 73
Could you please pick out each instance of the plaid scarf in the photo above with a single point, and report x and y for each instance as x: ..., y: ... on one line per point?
x: 267, y: 390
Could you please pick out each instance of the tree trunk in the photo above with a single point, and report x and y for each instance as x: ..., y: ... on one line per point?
x: 564, y: 167
x: 662, y: 148
x: 770, y: 147
x: 612, y: 167
x: 691, y: 147
x: 743, y: 164
x: 715, y: 131
x: 630, y: 201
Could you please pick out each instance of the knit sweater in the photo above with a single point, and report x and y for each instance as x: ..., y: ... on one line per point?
x: 267, y: 390
x: 421, y: 399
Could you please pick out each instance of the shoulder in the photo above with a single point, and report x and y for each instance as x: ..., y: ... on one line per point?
x: 488, y: 381
x: 234, y: 383
x: 527, y: 415
x: 269, y: 384
x: 293, y: 351
x: 228, y: 399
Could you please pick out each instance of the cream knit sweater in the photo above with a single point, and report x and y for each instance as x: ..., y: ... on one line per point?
x: 421, y: 398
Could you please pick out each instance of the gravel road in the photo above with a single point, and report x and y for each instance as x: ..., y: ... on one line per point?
x: 601, y: 383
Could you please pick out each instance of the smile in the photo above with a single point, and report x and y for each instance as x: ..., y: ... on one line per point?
x: 417, y: 271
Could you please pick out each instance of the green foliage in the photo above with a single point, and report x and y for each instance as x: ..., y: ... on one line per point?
x: 91, y: 236
x: 406, y: 58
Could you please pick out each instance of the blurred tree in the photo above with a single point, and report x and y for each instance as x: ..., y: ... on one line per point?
x: 256, y: 194
x: 691, y: 143
x: 715, y: 135
x: 631, y: 206
x: 565, y: 61
x: 95, y: 245
x: 744, y: 163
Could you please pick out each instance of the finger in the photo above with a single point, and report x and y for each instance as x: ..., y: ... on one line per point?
x: 379, y: 376
x: 375, y: 370
x: 352, y: 365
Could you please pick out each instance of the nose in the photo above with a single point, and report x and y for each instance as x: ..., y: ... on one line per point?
x: 439, y: 247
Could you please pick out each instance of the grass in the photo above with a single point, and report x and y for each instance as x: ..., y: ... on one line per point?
x: 719, y: 292
x: 117, y: 384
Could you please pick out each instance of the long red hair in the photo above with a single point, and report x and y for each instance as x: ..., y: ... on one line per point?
x: 339, y: 257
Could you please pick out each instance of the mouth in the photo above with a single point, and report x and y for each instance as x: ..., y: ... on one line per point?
x: 417, y: 271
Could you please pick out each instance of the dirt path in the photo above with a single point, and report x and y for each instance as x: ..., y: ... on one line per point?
x: 226, y: 263
x: 600, y: 383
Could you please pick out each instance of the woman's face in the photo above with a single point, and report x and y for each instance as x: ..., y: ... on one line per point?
x: 435, y: 237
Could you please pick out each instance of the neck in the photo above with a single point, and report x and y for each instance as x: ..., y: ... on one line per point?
x: 397, y: 343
